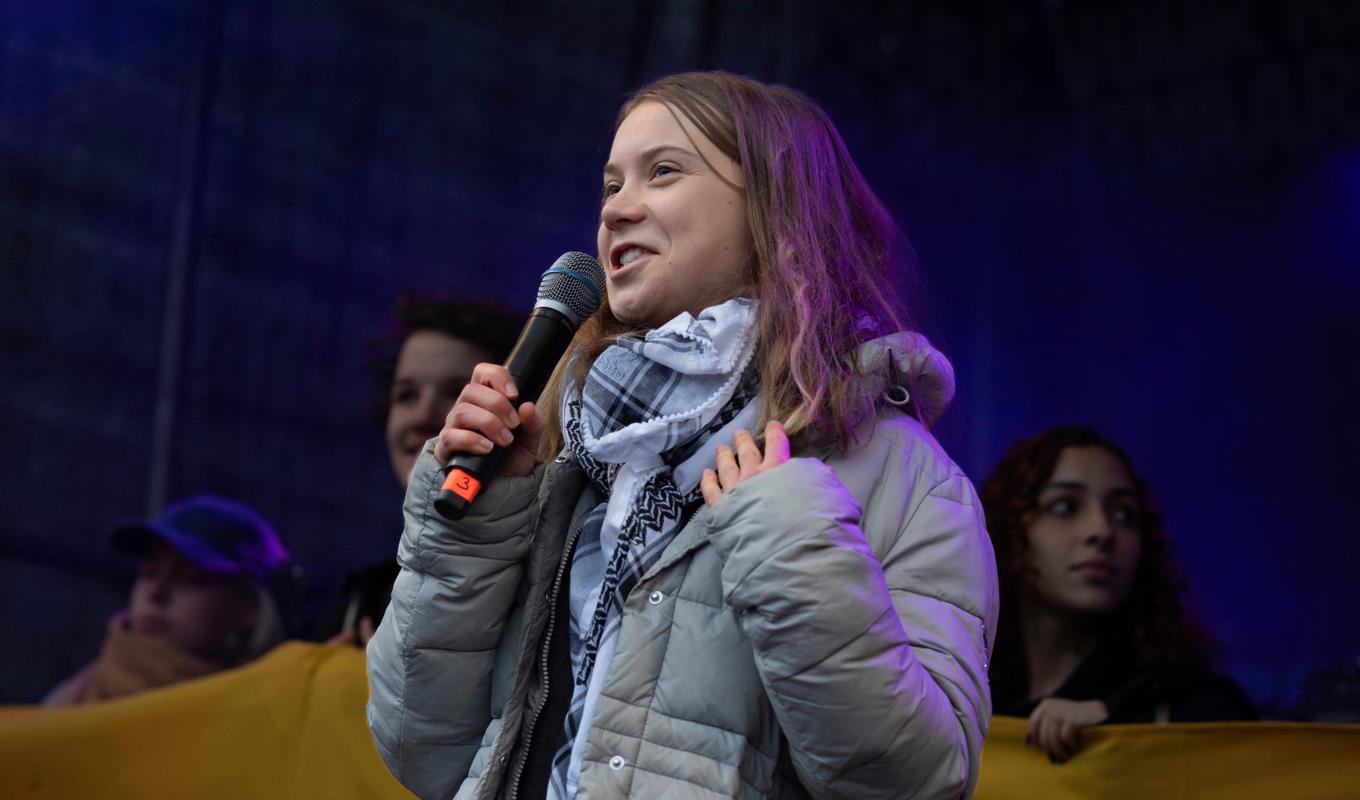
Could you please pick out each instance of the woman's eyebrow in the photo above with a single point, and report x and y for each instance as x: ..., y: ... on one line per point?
x: 1070, y: 485
x: 650, y: 152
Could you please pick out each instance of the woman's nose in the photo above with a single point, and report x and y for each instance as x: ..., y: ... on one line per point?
x: 431, y: 411
x: 622, y: 209
x: 1099, y: 528
x: 158, y: 589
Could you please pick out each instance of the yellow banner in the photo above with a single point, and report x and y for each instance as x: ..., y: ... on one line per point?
x: 291, y: 725
x: 1239, y: 760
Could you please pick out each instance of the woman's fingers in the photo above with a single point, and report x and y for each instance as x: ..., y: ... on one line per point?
x: 496, y: 377
x: 1032, y: 725
x: 743, y: 459
x: 1052, y: 742
x: 469, y: 417
x: 1041, y: 729
x: 748, y: 454
x: 776, y: 444
x: 484, y: 415
x: 491, y: 400
x: 1041, y: 732
x: 708, y: 486
x: 1071, y: 737
x: 729, y: 474
x: 524, y: 455
x: 530, y: 421
x: 530, y: 428
x: 1055, y: 728
x: 343, y: 637
x: 457, y: 440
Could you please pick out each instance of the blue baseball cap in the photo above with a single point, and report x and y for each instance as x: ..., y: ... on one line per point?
x: 217, y: 534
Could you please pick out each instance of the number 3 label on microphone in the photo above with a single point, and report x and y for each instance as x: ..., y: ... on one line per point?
x: 462, y: 484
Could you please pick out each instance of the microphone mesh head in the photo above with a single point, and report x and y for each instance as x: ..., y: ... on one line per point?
x: 574, y: 284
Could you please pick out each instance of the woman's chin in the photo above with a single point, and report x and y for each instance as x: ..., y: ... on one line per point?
x: 1095, y: 604
x: 639, y: 317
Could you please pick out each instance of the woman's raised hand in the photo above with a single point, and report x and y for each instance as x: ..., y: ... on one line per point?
x: 745, y: 462
x: 1056, y: 724
x: 485, y: 415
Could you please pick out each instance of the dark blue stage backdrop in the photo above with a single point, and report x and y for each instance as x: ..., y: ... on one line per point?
x: 1139, y: 215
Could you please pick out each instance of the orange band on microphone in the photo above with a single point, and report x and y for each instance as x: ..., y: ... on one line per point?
x: 462, y: 484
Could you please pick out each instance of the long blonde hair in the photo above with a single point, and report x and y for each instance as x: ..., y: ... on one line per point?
x: 823, y: 266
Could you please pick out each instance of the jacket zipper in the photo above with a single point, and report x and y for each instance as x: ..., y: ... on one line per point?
x: 527, y: 735
x: 690, y: 518
x: 528, y: 732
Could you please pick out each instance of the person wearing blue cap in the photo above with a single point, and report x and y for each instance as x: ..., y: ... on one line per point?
x: 198, y: 605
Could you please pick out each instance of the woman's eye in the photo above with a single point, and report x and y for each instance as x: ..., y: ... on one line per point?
x: 404, y: 396
x: 1061, y: 507
x: 1126, y: 515
x: 662, y: 170
x: 611, y: 189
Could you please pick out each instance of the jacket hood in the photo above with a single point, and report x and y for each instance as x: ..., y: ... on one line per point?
x: 905, y: 370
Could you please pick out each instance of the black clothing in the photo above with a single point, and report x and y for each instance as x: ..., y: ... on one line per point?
x: 549, y: 733
x: 365, y: 593
x: 1134, y: 693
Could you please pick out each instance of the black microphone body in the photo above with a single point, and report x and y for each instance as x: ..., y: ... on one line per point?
x: 541, y: 344
x: 562, y: 306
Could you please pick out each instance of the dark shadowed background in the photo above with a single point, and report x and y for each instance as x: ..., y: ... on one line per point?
x: 1140, y: 215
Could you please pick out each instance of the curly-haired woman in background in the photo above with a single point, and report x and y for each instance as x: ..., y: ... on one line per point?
x: 1092, y: 626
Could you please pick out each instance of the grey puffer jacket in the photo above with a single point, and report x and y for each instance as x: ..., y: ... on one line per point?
x: 822, y: 631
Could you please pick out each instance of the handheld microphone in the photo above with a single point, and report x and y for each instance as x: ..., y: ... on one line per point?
x: 570, y: 291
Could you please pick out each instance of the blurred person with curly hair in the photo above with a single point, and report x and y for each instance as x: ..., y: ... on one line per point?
x: 419, y: 365
x: 1093, y: 628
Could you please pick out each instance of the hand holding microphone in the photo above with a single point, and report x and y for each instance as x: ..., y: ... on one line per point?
x: 488, y: 414
x: 479, y: 433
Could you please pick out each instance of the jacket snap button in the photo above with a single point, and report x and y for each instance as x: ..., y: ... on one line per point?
x: 616, y: 763
x: 655, y: 598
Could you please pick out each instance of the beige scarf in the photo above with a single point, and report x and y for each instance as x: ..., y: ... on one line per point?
x: 133, y: 662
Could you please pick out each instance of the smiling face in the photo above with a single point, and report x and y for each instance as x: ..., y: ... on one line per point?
x: 1084, y: 541
x: 432, y: 368
x: 673, y: 234
x: 205, y: 613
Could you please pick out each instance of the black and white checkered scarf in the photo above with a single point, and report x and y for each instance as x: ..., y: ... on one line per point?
x: 646, y: 423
